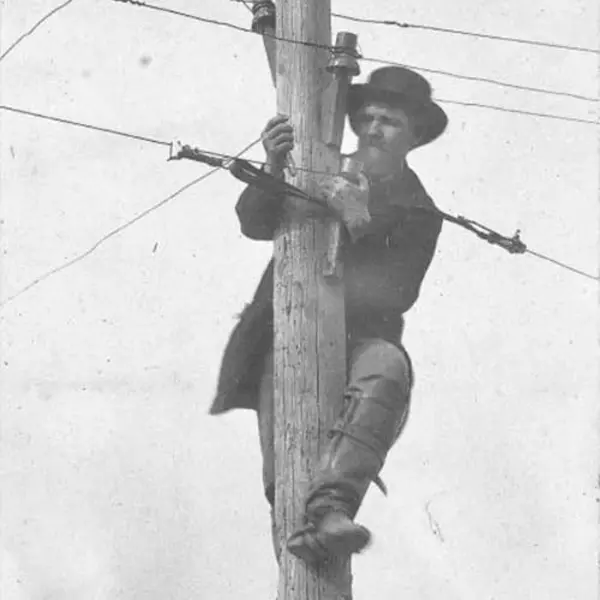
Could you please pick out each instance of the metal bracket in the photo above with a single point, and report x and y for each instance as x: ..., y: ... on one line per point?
x: 177, y: 151
x: 343, y: 65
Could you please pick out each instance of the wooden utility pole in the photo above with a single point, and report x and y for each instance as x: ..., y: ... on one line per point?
x: 309, y: 345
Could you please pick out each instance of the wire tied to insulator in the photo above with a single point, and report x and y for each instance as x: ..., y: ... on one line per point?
x: 344, y: 55
x: 346, y: 50
x: 264, y: 16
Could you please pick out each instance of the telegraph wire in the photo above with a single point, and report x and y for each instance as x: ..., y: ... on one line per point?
x: 32, y: 29
x: 160, y: 204
x: 376, y: 60
x: 490, y: 106
x: 514, y: 244
x: 451, y: 74
x: 518, y: 111
x: 463, y: 32
x: 203, y: 177
x: 133, y: 136
x: 261, y: 163
x: 224, y: 157
x: 561, y: 264
x: 221, y: 23
x: 489, y: 36
x: 488, y: 80
x: 116, y: 231
x: 38, y: 115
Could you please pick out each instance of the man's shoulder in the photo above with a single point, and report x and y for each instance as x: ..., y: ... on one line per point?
x: 409, y: 191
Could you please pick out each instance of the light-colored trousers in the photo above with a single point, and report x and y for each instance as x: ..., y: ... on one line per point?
x: 371, y: 361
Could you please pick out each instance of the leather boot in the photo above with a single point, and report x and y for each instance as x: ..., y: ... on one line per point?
x: 374, y: 415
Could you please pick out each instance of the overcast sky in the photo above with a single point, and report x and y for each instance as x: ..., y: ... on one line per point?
x: 116, y: 483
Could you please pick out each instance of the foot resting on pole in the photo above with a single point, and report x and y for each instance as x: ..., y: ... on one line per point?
x: 336, y: 535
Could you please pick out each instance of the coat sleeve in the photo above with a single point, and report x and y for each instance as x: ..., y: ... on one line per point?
x: 259, y: 213
x: 389, y: 279
x: 413, y: 248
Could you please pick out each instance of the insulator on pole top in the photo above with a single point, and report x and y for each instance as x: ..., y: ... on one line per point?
x: 344, y: 54
x: 264, y: 16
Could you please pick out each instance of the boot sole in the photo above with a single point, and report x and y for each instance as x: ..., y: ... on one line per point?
x: 348, y: 542
x: 339, y: 545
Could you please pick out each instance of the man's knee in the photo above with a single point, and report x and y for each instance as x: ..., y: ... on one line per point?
x: 379, y: 360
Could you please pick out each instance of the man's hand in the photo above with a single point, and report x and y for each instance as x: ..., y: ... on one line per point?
x: 349, y: 201
x: 277, y: 139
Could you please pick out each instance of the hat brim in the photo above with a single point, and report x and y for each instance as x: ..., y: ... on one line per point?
x: 431, y: 116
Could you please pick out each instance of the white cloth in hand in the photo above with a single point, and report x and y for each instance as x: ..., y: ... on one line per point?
x: 349, y: 201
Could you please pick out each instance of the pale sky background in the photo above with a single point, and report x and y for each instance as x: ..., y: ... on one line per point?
x: 115, y: 481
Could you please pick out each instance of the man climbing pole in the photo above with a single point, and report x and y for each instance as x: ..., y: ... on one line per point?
x: 385, y: 259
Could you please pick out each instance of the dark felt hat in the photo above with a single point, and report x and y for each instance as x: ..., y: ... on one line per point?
x: 405, y: 89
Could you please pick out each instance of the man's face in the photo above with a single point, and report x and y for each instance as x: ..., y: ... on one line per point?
x: 385, y: 137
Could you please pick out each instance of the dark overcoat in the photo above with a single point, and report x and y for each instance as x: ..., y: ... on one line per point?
x: 383, y: 272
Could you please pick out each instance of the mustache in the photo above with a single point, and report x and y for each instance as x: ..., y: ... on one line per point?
x: 372, y: 142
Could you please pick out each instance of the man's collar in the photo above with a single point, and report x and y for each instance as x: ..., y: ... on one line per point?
x: 395, y: 183
x: 403, y: 189
x: 390, y: 178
